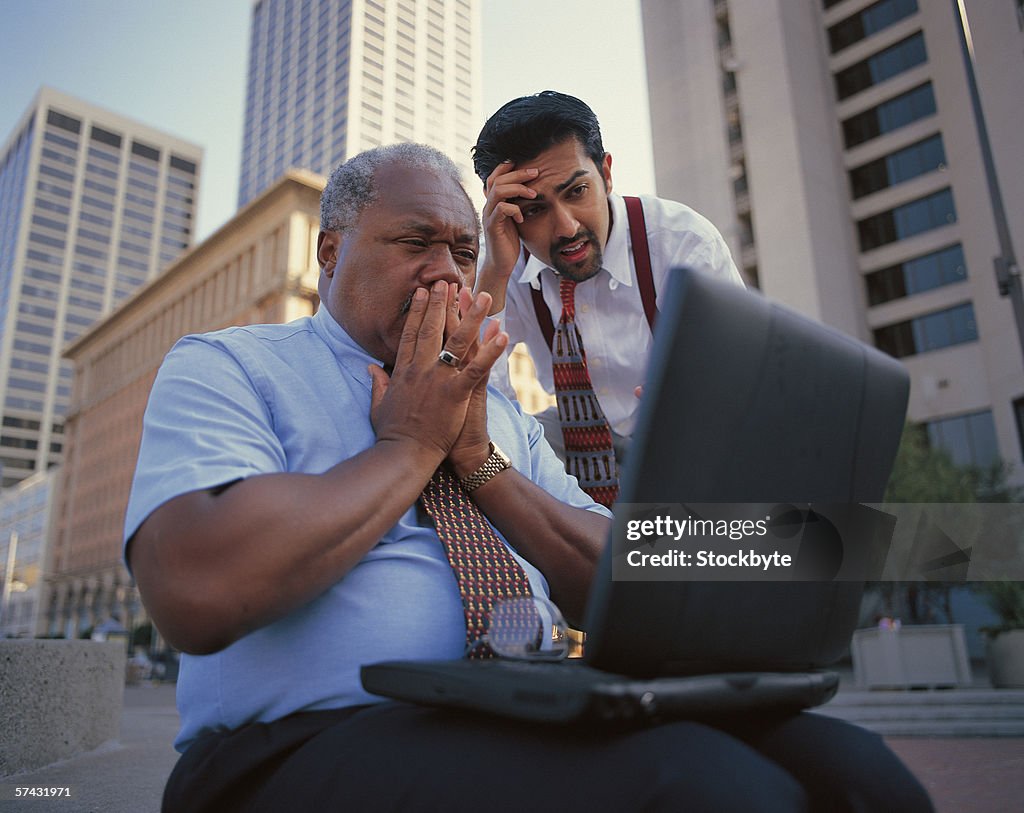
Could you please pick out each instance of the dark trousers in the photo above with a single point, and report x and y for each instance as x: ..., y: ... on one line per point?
x: 401, y: 757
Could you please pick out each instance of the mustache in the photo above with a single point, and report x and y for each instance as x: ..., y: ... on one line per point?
x: 583, y: 234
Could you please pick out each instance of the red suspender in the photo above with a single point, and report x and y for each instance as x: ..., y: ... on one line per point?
x: 547, y: 327
x: 642, y: 257
x: 644, y: 276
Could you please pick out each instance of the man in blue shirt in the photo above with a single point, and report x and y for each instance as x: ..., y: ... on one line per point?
x: 276, y: 534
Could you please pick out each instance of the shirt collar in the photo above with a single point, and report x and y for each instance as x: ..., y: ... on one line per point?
x: 345, y: 349
x: 615, y: 267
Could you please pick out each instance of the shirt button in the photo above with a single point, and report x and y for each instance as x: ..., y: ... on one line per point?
x: 585, y: 308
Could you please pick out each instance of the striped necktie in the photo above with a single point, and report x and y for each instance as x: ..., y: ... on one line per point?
x: 589, y: 454
x: 484, y: 568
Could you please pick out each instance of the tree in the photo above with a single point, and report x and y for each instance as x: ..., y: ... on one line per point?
x: 923, y: 473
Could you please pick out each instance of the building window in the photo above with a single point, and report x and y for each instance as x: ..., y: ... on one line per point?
x: 53, y: 172
x: 145, y: 151
x: 896, y: 167
x: 969, y: 439
x: 52, y: 206
x: 72, y: 125
x: 103, y: 155
x: 943, y: 267
x: 897, y: 112
x: 746, y: 225
x: 724, y: 34
x: 895, y: 59
x: 50, y: 223
x: 183, y: 165
x: 868, y: 21
x: 932, y: 331
x: 105, y: 137
x: 96, y: 185
x: 52, y: 138
x: 1018, y: 413
x: 921, y: 215
x: 734, y: 132
x: 140, y: 168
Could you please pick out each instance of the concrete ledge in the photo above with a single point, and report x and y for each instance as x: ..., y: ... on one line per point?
x: 57, y: 699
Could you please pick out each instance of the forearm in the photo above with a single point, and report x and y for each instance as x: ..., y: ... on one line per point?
x: 212, y: 567
x: 493, y: 281
x: 562, y: 541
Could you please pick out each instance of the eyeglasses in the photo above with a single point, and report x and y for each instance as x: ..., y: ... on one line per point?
x: 526, y: 628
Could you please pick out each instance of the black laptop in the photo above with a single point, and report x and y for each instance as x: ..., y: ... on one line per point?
x: 747, y: 406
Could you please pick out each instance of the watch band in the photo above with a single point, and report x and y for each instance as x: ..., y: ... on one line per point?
x: 497, y: 461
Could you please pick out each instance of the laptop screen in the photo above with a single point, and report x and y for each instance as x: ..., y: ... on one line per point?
x: 745, y: 401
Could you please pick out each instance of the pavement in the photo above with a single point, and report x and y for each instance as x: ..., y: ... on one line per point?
x: 964, y: 774
x: 969, y: 774
x: 966, y: 746
x: 125, y: 776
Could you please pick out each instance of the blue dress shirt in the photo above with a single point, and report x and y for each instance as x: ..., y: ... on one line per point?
x: 296, y: 398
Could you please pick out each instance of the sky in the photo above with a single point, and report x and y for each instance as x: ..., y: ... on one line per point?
x: 180, y: 65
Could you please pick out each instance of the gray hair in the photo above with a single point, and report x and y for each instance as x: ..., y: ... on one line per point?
x: 350, y: 189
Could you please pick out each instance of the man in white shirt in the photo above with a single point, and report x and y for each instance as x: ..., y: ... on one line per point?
x: 550, y: 214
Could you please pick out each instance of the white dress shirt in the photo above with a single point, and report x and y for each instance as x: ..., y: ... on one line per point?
x: 609, y: 310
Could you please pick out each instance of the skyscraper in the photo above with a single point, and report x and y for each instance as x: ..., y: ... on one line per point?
x: 330, y: 78
x: 832, y: 142
x: 92, y: 205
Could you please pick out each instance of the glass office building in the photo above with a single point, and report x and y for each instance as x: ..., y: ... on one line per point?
x: 92, y: 205
x: 833, y: 143
x: 330, y: 78
x: 24, y: 528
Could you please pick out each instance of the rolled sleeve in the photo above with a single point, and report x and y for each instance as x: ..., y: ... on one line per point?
x: 205, y: 425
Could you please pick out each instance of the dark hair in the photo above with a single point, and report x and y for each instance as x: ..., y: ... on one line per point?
x: 525, y: 127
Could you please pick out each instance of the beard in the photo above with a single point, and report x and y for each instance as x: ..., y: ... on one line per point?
x: 578, y: 271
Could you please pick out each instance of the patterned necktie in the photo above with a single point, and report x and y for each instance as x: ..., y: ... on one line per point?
x: 589, y: 454
x: 484, y: 568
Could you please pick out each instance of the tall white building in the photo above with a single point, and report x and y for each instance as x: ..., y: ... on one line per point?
x: 92, y: 205
x: 833, y: 143
x: 330, y: 78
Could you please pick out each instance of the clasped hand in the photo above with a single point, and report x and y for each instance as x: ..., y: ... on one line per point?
x: 439, y: 407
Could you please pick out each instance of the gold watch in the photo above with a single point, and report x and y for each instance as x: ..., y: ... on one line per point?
x: 497, y: 461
